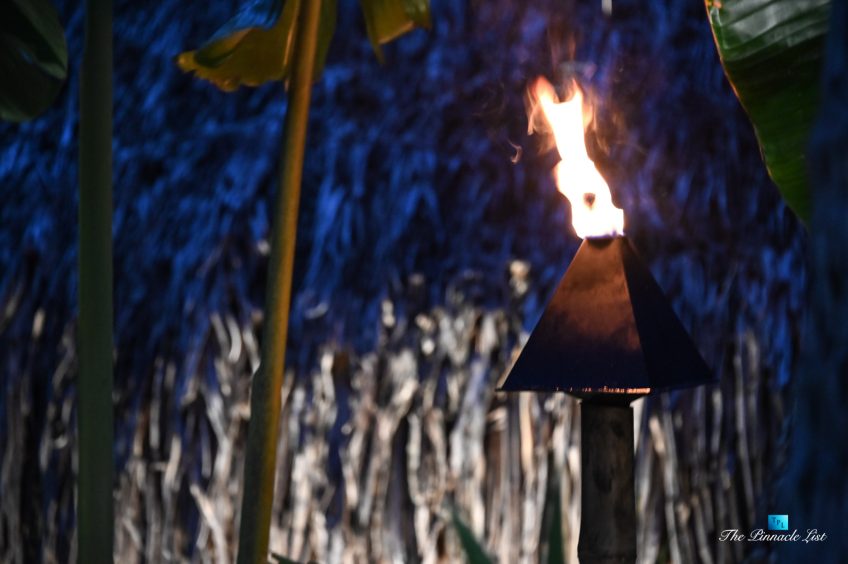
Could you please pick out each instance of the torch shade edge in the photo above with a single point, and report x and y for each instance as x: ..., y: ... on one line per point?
x: 608, y: 328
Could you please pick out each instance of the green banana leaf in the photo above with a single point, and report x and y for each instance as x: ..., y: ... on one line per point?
x: 772, y: 53
x: 255, y: 46
x: 33, y: 58
x: 474, y: 552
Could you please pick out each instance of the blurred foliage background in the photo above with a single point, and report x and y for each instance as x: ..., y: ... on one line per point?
x: 429, y: 238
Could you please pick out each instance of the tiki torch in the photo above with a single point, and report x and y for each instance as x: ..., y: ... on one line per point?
x: 608, y: 336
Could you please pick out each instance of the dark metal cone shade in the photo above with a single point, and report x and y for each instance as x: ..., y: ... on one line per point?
x: 608, y: 329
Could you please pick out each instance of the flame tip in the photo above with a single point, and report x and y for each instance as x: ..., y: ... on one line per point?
x: 576, y: 174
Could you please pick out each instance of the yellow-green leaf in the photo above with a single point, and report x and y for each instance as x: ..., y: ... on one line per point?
x: 418, y: 11
x: 386, y: 20
x: 255, y: 46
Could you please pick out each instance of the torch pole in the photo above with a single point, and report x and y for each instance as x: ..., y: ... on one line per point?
x: 608, y: 522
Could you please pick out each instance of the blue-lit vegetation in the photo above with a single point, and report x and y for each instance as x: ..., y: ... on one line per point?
x: 429, y: 236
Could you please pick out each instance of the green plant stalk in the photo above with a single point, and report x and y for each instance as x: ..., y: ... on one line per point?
x: 265, y: 400
x: 94, y: 411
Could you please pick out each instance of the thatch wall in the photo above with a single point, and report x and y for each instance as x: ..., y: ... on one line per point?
x: 411, y: 292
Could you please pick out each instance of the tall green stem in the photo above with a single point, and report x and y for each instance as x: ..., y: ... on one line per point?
x: 94, y: 413
x: 265, y: 397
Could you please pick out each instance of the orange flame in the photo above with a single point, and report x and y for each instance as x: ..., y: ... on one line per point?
x: 592, y: 211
